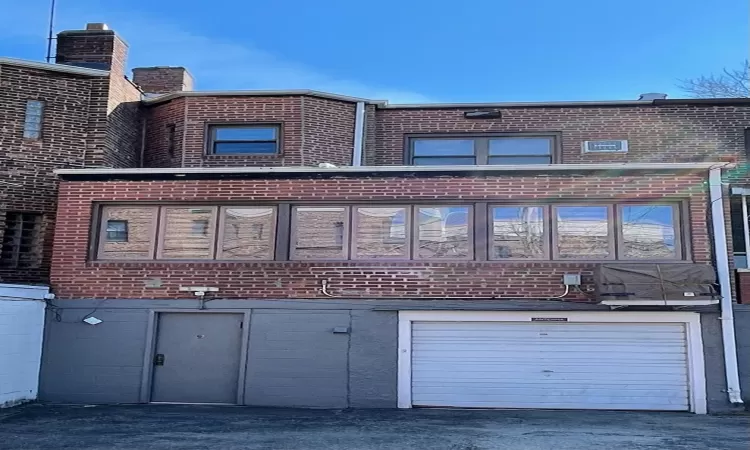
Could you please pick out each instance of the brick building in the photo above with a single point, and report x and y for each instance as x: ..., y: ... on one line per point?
x: 300, y: 248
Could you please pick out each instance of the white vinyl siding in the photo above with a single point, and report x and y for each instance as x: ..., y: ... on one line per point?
x: 546, y: 365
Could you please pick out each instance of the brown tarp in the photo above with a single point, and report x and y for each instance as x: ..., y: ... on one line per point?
x: 655, y: 282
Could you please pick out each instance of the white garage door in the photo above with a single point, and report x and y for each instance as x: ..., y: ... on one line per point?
x: 550, y: 365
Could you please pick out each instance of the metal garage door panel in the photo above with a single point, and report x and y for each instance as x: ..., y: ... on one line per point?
x: 560, y: 366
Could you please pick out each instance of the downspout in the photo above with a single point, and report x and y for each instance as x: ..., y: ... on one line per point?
x: 142, y: 156
x: 359, y: 134
x: 722, y: 268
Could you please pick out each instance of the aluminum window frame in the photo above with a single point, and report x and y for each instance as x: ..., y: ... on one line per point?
x: 346, y: 241
x: 221, y: 222
x: 676, y: 224
x: 469, y: 226
x: 354, y: 218
x: 163, y: 226
x: 546, y: 231
x: 611, y: 231
x: 102, y: 234
x: 211, y: 140
x: 482, y: 144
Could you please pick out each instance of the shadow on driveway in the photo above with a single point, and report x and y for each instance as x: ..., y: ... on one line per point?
x: 213, y: 427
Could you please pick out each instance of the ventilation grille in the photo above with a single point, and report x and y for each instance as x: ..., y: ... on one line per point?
x: 618, y: 146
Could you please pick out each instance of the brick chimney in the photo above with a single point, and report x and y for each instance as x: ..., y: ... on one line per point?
x: 162, y: 80
x: 96, y: 47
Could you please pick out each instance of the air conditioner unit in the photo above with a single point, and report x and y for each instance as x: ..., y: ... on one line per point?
x: 643, y: 284
x: 611, y: 146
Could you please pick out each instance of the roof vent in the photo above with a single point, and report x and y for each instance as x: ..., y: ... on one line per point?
x: 652, y: 96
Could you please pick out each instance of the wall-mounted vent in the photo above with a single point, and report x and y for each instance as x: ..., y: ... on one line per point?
x: 619, y: 146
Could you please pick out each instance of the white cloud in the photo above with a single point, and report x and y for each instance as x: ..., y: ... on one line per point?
x: 214, y: 62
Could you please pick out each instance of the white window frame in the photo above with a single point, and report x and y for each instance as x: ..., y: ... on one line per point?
x: 691, y: 320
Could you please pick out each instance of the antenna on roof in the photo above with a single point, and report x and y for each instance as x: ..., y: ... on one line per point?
x: 49, y: 34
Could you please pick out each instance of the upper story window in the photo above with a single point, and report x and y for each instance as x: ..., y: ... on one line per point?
x: 243, y: 139
x: 32, y: 125
x: 482, y: 150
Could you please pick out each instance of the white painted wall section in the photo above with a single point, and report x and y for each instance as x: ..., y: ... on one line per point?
x: 21, y: 334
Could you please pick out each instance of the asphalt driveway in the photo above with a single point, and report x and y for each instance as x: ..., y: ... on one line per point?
x: 207, y: 427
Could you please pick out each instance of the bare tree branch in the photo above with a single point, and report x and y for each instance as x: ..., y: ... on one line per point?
x: 731, y: 83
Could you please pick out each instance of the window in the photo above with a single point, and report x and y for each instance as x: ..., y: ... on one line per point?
x: 381, y: 233
x: 32, y: 125
x: 518, y: 232
x: 247, y: 233
x: 481, y: 150
x: 319, y: 232
x: 117, y: 231
x: 583, y: 232
x: 243, y: 140
x: 443, y: 232
x: 429, y: 232
x: 187, y: 233
x: 648, y: 232
x: 22, y: 240
x: 127, y: 232
x: 171, y: 128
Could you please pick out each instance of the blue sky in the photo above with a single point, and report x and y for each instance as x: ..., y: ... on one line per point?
x: 414, y: 50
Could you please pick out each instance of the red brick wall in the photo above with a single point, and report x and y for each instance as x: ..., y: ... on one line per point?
x: 313, y: 130
x: 654, y: 134
x: 75, y: 277
x: 743, y: 287
x: 162, y: 80
x: 74, y: 121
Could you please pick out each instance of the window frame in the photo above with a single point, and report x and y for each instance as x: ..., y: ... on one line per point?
x: 163, y: 226
x: 676, y: 223
x: 210, y: 133
x: 354, y: 219
x: 346, y: 241
x: 102, y: 234
x: 482, y: 144
x: 221, y: 222
x: 546, y: 231
x: 469, y: 226
x: 611, y: 231
x: 26, y: 121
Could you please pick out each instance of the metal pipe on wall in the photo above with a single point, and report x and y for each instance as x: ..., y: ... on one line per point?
x: 359, y: 134
x: 722, y: 268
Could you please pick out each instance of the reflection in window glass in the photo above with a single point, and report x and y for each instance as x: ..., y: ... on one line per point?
x: 583, y: 232
x: 648, y: 232
x: 128, y: 233
x: 520, y: 147
x: 517, y: 232
x: 228, y: 140
x: 444, y: 233
x: 188, y: 233
x: 443, y: 152
x: 319, y: 233
x: 380, y: 233
x: 248, y: 233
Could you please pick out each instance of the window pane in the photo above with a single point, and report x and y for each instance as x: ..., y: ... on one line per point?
x: 22, y: 240
x: 520, y: 146
x: 319, y: 233
x: 648, y: 232
x: 443, y: 147
x: 230, y: 148
x: 188, y: 233
x: 381, y: 233
x: 245, y: 134
x: 249, y: 233
x: 517, y: 232
x: 583, y: 232
x: 499, y: 160
x: 444, y: 232
x: 454, y: 161
x: 128, y: 234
